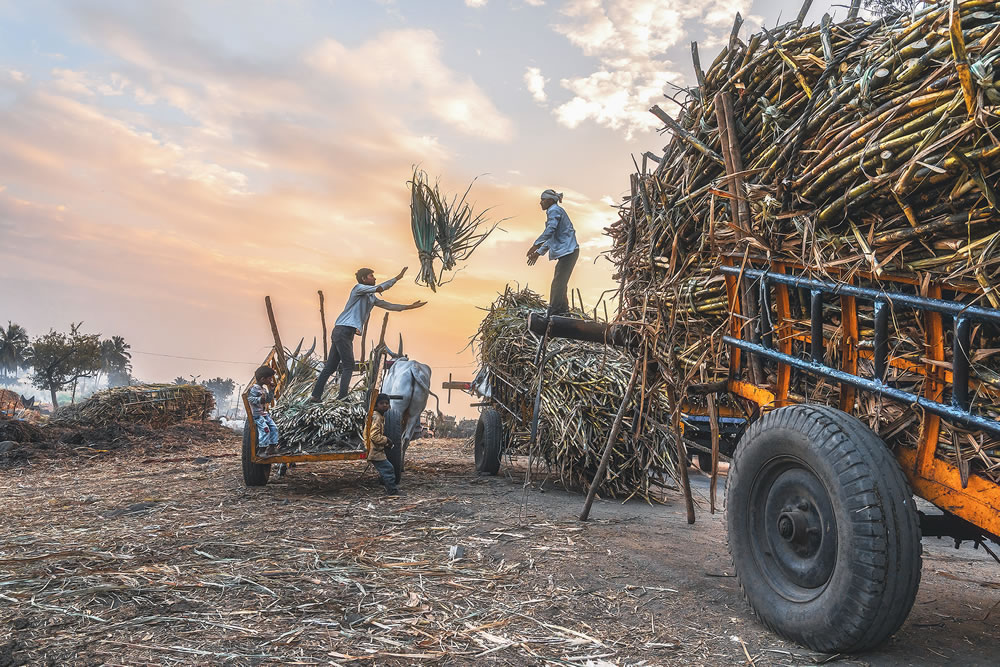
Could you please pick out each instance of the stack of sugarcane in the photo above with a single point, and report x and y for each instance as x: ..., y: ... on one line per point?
x: 157, y: 405
x: 331, y: 425
x: 852, y: 151
x: 582, y: 389
x: 446, y: 231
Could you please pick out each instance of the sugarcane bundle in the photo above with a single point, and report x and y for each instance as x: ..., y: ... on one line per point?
x: 582, y: 389
x: 332, y: 425
x: 859, y: 151
x: 443, y: 230
x: 157, y: 405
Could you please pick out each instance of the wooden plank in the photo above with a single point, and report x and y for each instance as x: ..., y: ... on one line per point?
x: 978, y: 503
x: 930, y: 430
x: 848, y: 349
x: 306, y: 458
x: 784, y: 332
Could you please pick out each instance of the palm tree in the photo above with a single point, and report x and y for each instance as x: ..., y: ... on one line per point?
x: 14, y: 349
x: 116, y: 360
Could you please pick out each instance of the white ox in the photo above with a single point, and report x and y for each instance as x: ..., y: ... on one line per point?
x: 411, y: 381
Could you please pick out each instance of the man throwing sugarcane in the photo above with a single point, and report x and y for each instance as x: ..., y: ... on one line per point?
x: 559, y: 241
x: 364, y: 296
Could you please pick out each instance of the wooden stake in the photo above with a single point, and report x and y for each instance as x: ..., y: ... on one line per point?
x: 606, y: 456
x: 322, y: 318
x: 713, y: 416
x: 279, y: 349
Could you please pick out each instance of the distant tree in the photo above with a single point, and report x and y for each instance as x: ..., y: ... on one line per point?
x: 60, y: 359
x: 222, y: 389
x: 116, y: 361
x: 180, y: 380
x: 15, y: 347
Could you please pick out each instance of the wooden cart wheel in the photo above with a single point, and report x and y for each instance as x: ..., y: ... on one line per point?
x: 488, y: 442
x: 254, y: 474
x: 823, y: 531
x: 396, y: 451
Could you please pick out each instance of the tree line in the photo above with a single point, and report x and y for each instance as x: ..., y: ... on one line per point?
x: 59, y: 360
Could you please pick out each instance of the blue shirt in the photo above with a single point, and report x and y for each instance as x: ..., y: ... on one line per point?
x: 360, y: 303
x: 559, y: 237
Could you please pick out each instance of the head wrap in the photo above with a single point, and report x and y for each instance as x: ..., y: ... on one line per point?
x: 553, y: 195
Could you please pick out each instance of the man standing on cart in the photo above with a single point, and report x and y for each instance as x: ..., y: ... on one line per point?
x: 559, y: 241
x: 364, y: 296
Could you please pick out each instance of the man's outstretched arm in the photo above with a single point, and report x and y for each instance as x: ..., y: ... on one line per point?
x: 399, y: 307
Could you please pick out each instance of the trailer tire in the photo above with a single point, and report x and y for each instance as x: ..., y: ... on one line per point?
x: 705, y: 463
x: 488, y: 442
x: 823, y: 531
x: 254, y: 474
x: 396, y: 451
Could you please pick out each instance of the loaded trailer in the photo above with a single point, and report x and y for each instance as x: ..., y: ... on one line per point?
x: 823, y: 528
x: 337, y: 446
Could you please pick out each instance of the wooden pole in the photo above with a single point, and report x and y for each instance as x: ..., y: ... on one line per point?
x: 606, y: 456
x: 713, y: 415
x: 733, y: 159
x: 322, y: 318
x: 279, y: 349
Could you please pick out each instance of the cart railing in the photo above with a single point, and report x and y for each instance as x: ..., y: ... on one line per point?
x: 969, y: 496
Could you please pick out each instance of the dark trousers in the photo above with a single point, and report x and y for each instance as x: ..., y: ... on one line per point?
x: 341, y: 354
x: 387, y: 473
x: 558, y: 299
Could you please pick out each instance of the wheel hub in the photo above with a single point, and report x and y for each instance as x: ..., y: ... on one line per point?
x: 794, y: 528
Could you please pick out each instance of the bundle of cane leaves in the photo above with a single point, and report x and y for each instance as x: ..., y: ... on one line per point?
x: 864, y: 151
x: 331, y: 425
x: 157, y: 405
x: 444, y: 231
x: 582, y: 389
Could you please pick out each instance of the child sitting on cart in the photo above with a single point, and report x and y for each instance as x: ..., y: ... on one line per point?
x: 259, y: 396
x: 377, y: 442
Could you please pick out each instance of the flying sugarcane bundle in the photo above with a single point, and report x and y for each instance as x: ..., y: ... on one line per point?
x: 443, y: 230
x: 330, y: 425
x: 582, y: 389
x: 853, y: 152
x: 157, y: 405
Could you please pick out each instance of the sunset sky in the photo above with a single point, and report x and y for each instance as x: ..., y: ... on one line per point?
x: 165, y: 165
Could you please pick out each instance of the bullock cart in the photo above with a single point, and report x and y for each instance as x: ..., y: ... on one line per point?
x: 336, y: 446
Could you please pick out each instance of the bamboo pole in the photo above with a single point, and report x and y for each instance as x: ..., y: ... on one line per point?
x: 609, y: 446
x: 279, y: 349
x: 322, y: 318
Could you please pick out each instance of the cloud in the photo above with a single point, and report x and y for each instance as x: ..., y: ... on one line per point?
x: 376, y: 66
x: 629, y: 38
x: 475, y: 3
x: 535, y: 82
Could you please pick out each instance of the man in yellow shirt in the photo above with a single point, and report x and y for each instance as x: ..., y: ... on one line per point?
x: 377, y: 442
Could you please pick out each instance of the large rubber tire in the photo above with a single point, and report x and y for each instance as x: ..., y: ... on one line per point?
x: 396, y: 451
x: 823, y: 531
x: 705, y: 463
x: 488, y: 442
x: 254, y: 474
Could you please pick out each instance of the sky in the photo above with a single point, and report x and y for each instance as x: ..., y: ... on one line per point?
x: 165, y: 165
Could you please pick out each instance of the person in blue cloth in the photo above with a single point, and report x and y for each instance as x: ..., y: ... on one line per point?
x: 559, y: 241
x: 259, y: 396
x: 364, y: 296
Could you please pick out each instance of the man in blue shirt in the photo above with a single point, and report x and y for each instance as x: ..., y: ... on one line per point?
x: 559, y: 241
x: 359, y: 306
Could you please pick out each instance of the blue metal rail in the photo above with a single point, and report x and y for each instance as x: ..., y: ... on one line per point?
x: 959, y: 411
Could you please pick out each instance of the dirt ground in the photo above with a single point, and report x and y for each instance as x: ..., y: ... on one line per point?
x: 160, y: 555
